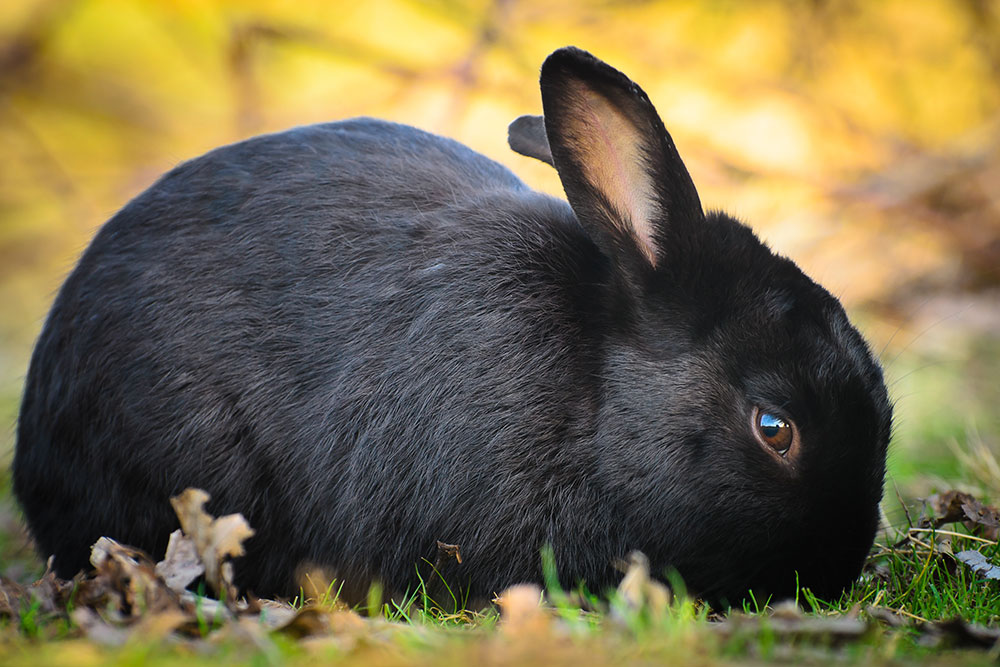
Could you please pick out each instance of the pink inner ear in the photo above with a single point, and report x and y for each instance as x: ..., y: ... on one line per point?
x: 609, y: 149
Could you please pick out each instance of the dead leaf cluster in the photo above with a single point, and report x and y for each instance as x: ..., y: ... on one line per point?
x: 639, y: 591
x: 213, y: 540
x: 933, y: 539
x: 127, y: 594
x: 960, y: 507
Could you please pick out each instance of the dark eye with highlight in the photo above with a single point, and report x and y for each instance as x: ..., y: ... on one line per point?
x: 773, y: 431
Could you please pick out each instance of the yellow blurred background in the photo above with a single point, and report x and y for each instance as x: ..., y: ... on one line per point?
x: 860, y: 138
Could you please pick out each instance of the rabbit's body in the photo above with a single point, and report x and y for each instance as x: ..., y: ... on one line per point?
x: 367, y: 339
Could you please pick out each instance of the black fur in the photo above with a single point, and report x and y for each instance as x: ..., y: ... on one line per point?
x: 367, y: 338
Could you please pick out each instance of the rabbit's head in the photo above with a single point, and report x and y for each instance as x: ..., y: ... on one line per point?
x: 745, y: 422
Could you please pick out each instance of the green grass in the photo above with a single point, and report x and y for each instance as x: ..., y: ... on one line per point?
x: 924, y: 582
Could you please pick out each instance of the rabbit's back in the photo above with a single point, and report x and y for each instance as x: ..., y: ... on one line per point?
x: 357, y: 324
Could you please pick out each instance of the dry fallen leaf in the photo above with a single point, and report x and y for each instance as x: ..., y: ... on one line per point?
x: 274, y: 614
x: 181, y: 564
x: 639, y: 590
x: 215, y: 539
x: 787, y: 610
x: 960, y: 507
x: 947, y: 506
x: 979, y: 564
x: 307, y: 622
x: 97, y: 629
x: 126, y: 595
x: 13, y: 598
x: 982, y: 520
x: 128, y: 577
x: 521, y: 610
x: 340, y: 628
x: 49, y: 593
x: 887, y: 616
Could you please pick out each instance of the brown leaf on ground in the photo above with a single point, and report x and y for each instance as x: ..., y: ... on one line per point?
x: 960, y: 507
x: 947, y: 506
x: 307, y: 622
x: 346, y: 631
x: 318, y: 621
x: 887, y: 616
x: 13, y: 598
x: 149, y: 627
x: 160, y: 626
x: 982, y: 520
x: 215, y: 539
x: 181, y: 564
x: 273, y: 614
x: 127, y: 595
x: 522, y: 612
x: 640, y: 591
x: 96, y: 629
x: 128, y: 578
x: 787, y: 609
x: 49, y: 592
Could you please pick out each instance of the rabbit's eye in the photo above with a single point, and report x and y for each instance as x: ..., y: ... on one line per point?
x: 773, y: 431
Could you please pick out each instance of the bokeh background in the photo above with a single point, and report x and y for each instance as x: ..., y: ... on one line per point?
x: 860, y: 138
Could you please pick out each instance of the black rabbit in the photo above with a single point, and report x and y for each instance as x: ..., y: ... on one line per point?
x: 367, y: 338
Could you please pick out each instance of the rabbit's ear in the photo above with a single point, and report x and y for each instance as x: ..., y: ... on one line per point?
x: 617, y: 163
x: 526, y: 135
